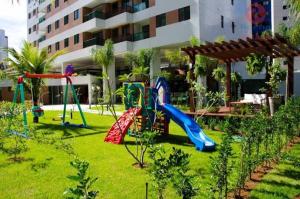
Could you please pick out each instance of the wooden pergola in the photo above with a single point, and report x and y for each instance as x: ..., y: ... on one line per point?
x: 236, y: 51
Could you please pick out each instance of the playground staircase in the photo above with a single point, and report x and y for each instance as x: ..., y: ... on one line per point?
x: 119, y: 129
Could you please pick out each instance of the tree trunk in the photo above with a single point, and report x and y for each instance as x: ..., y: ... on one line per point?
x: 35, y: 118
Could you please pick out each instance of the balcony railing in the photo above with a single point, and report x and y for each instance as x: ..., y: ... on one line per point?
x: 140, y: 6
x: 118, y: 11
x: 94, y: 14
x: 43, y: 38
x: 122, y: 38
x: 42, y: 19
x: 140, y: 36
x: 94, y: 41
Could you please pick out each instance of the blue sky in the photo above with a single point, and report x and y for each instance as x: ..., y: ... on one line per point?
x: 13, y: 21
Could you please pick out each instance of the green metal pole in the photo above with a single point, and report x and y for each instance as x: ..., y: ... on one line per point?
x: 65, y: 102
x: 25, y: 122
x: 77, y: 102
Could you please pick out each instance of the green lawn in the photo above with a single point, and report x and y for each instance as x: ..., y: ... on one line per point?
x: 111, y: 163
x: 281, y: 182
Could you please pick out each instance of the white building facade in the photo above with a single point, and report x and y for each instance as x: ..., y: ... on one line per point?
x: 78, y: 26
x: 3, y: 44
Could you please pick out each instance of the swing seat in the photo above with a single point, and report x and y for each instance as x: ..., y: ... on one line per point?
x: 68, y: 124
x: 37, y: 111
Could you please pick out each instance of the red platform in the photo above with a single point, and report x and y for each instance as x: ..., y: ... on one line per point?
x: 119, y: 129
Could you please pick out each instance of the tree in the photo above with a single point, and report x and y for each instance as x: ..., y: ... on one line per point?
x: 31, y: 60
x: 104, y: 57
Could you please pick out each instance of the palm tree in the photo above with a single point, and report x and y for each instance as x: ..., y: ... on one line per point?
x: 104, y: 57
x: 31, y: 60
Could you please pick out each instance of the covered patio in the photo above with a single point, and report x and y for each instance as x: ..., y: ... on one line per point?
x: 236, y: 51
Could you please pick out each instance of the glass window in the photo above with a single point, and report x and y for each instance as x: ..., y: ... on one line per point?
x: 76, y: 14
x: 56, y: 3
x: 49, y: 8
x: 57, y: 46
x: 66, y: 42
x: 57, y: 24
x: 66, y: 19
x: 233, y: 27
x: 184, y: 13
x: 29, y: 31
x: 34, y: 28
x: 222, y: 21
x: 49, y: 28
x: 76, y: 39
x: 49, y: 49
x: 161, y: 20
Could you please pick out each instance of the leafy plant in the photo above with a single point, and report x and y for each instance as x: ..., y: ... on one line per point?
x: 256, y: 63
x: 82, y: 190
x: 221, y: 167
x: 31, y: 60
x: 277, y: 75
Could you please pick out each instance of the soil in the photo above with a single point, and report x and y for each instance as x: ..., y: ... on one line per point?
x: 138, y: 166
x: 258, y: 175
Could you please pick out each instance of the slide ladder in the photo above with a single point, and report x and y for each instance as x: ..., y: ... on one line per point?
x: 119, y: 129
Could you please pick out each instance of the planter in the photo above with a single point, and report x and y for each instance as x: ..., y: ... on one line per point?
x: 213, y: 109
x: 274, y: 103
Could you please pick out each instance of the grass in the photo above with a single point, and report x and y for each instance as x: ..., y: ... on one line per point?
x: 111, y: 163
x: 46, y: 173
x: 281, y: 182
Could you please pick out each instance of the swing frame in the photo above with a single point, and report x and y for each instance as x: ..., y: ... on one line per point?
x: 20, y: 89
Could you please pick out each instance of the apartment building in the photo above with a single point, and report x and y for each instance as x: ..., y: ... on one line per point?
x: 3, y: 44
x: 78, y: 26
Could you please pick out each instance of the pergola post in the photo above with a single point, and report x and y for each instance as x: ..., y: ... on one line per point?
x: 228, y: 83
x: 290, y: 77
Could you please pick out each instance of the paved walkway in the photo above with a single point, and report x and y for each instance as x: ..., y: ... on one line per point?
x: 84, y: 107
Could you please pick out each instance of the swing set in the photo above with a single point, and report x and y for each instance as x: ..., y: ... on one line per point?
x: 38, y: 111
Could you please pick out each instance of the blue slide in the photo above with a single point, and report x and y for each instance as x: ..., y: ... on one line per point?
x: 193, y: 130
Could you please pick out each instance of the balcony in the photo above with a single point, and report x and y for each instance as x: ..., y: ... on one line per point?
x: 43, y: 38
x: 94, y: 41
x: 118, y: 11
x: 122, y: 38
x: 94, y: 14
x: 42, y: 19
x: 140, y: 36
x: 140, y: 6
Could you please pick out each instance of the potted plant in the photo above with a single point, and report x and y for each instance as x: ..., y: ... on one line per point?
x: 277, y: 75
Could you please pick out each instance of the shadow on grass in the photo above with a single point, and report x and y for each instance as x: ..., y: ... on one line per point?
x: 289, y: 173
x: 70, y: 132
x: 280, y: 184
x: 270, y: 193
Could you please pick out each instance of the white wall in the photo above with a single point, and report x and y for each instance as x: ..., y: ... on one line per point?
x: 3, y: 44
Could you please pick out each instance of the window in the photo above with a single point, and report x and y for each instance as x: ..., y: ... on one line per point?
x: 34, y: 28
x: 56, y: 24
x: 76, y: 14
x: 49, y: 28
x: 184, y: 13
x: 66, y: 42
x: 56, y: 3
x: 233, y: 27
x: 49, y: 8
x: 49, y: 49
x: 284, y: 18
x: 29, y: 15
x: 232, y: 2
x: 285, y: 7
x: 125, y: 30
x: 34, y: 43
x: 76, y: 39
x: 66, y: 19
x: 65, y: 1
x: 34, y: 12
x: 161, y: 20
x: 222, y: 21
x: 29, y: 31
x: 57, y: 46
